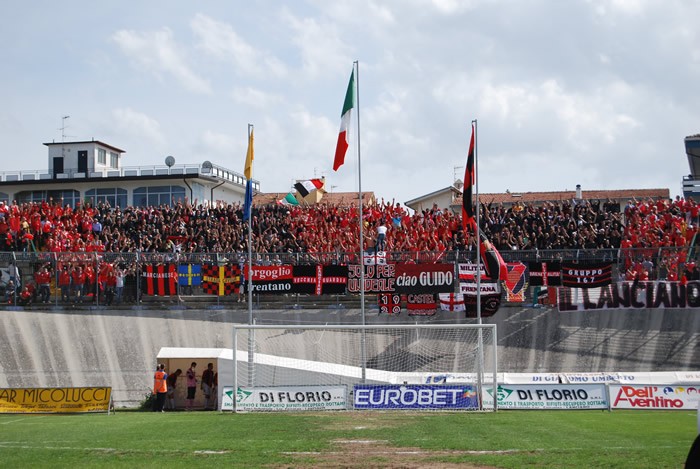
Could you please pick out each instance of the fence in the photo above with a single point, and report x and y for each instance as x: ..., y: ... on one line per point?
x: 132, y: 265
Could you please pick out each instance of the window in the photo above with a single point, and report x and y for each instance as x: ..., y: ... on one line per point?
x: 113, y: 160
x: 69, y: 197
x: 116, y: 197
x: 101, y: 156
x: 158, y: 195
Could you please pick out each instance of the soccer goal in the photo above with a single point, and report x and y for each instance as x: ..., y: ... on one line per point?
x: 409, y: 361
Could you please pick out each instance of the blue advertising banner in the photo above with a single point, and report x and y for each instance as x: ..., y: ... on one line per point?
x: 415, y: 396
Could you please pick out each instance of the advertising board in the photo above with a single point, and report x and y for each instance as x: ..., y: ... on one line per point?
x: 548, y: 396
x: 286, y: 398
x: 627, y: 396
x: 415, y: 396
x: 54, y: 400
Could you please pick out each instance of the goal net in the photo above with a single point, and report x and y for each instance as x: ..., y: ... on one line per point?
x: 410, y: 358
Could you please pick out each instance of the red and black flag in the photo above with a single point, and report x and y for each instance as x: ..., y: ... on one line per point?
x: 490, y: 293
x: 221, y: 280
x: 495, y: 266
x: 320, y: 279
x: 422, y: 304
x: 545, y: 274
x: 468, y: 221
x: 159, y: 279
x: 389, y: 303
x: 583, y: 274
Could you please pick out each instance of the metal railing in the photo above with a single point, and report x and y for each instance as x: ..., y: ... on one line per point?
x: 663, y: 260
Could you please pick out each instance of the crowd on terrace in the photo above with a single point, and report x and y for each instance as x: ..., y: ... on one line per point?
x: 195, y: 228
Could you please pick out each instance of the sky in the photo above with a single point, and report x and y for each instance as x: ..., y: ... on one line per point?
x: 599, y: 93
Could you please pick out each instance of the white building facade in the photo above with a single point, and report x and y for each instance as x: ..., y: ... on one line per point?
x: 92, y: 171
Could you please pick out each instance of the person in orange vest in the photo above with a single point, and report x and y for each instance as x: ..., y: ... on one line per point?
x: 160, y: 388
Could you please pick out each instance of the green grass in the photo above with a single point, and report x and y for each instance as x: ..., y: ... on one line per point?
x: 639, y: 439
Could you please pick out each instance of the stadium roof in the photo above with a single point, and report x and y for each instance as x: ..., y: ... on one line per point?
x: 536, y: 197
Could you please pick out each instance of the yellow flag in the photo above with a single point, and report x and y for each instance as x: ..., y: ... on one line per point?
x: 250, y: 156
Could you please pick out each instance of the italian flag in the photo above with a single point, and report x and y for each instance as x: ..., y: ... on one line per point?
x: 289, y: 199
x: 307, y: 187
x: 344, y: 135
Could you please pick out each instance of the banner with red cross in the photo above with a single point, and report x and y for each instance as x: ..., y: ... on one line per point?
x: 319, y: 279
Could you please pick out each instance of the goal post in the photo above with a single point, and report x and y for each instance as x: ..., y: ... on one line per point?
x: 269, y: 356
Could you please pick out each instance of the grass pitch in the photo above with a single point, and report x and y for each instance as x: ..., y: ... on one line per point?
x: 510, y: 439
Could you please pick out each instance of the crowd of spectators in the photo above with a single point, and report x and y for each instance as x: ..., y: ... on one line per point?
x: 196, y: 228
x: 50, y: 226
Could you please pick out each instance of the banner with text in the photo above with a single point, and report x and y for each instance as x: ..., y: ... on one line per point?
x: 424, y: 278
x: 320, y: 279
x: 549, y: 396
x: 631, y: 396
x: 585, y: 274
x: 286, y: 398
x: 271, y: 278
x: 54, y: 400
x: 422, y: 304
x: 415, y: 396
x: 629, y: 295
x: 378, y: 278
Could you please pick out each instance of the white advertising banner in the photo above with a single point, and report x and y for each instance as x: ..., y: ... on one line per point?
x: 286, y: 398
x: 626, y: 396
x: 668, y: 378
x: 547, y: 396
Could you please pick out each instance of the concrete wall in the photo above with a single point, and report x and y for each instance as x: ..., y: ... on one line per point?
x: 117, y: 348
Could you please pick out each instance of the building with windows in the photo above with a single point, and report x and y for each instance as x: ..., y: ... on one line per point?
x: 691, y: 182
x: 92, y: 171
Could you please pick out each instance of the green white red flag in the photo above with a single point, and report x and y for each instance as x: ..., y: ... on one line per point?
x: 345, y: 118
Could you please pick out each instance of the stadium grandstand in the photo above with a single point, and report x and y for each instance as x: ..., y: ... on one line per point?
x: 160, y: 248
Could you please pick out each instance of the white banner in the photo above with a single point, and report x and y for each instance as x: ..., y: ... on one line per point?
x: 547, y: 396
x: 468, y: 271
x: 487, y: 288
x: 286, y: 398
x: 668, y: 378
x: 625, y: 396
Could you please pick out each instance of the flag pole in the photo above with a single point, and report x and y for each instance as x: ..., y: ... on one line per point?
x: 478, y: 225
x: 356, y: 65
x: 250, y: 250
x: 480, y: 345
x: 249, y: 283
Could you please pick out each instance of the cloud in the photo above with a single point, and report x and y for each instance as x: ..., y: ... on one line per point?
x: 320, y: 44
x: 215, y: 142
x: 138, y: 125
x: 158, y: 53
x: 221, y: 41
x: 255, y: 97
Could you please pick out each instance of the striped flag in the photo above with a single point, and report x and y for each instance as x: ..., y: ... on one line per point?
x: 307, y: 187
x: 159, y: 279
x: 469, y: 181
x: 345, y: 119
x: 288, y: 199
